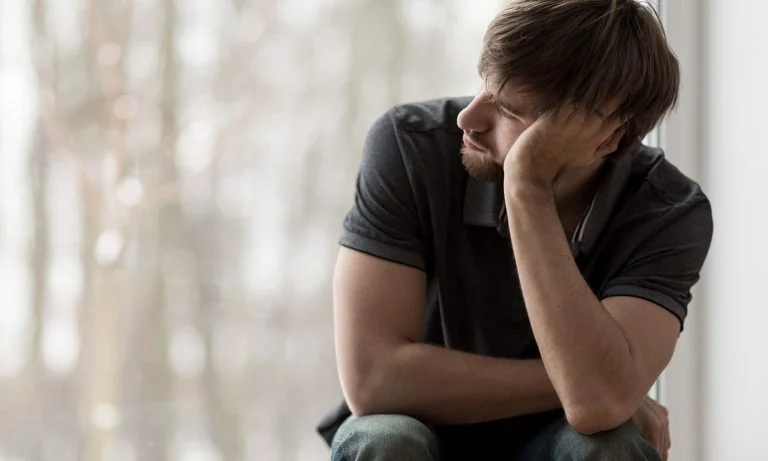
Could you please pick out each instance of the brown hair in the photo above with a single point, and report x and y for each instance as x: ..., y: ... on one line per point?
x: 586, y: 52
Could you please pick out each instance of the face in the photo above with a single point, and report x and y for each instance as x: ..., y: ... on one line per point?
x: 491, y: 123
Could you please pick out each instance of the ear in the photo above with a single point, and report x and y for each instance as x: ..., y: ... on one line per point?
x: 610, y: 145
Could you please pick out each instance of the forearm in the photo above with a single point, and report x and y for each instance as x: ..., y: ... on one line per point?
x: 584, y: 350
x: 443, y: 386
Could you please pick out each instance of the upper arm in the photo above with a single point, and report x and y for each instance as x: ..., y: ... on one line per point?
x: 379, y: 286
x: 651, y: 332
x: 378, y: 305
x: 650, y: 295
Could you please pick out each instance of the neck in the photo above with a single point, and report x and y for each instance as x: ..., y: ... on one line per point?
x: 574, y: 190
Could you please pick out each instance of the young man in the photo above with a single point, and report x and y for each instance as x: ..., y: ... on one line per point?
x: 516, y: 268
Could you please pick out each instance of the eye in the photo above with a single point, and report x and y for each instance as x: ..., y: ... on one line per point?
x: 499, y: 109
x: 503, y: 112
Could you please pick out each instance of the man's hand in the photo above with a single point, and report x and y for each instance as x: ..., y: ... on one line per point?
x: 652, y: 420
x: 566, y: 138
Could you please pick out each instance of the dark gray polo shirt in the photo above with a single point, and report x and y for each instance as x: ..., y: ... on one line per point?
x: 645, y: 234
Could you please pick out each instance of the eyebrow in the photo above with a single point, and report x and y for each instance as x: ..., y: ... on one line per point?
x: 512, y: 108
x: 509, y: 107
x: 515, y: 107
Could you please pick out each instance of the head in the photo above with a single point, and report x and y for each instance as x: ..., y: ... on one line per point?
x: 539, y: 55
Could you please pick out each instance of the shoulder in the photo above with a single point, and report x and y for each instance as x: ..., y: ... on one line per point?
x: 668, y: 185
x: 422, y: 137
x: 660, y: 235
x: 426, y: 116
x: 659, y: 197
x: 420, y: 127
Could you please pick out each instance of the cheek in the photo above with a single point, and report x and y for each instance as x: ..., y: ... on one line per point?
x: 507, y: 135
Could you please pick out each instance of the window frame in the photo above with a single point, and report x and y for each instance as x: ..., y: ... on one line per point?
x: 679, y: 388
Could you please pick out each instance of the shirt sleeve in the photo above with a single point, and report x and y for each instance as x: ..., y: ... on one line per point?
x: 384, y: 219
x: 664, y: 268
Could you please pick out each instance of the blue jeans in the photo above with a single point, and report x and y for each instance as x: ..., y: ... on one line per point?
x: 402, y: 438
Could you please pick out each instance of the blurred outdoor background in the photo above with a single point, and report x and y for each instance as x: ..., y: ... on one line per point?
x: 173, y: 178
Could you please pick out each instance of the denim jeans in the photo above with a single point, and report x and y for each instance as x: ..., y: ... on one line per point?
x: 402, y: 438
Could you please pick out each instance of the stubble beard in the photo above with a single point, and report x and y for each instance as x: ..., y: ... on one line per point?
x: 481, y: 167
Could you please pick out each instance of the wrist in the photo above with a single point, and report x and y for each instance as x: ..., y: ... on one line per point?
x: 523, y: 175
x: 528, y: 189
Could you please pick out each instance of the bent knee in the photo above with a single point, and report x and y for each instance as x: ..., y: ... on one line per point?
x: 624, y: 443
x: 376, y: 437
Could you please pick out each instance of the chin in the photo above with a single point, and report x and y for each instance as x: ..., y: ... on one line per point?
x: 481, y: 165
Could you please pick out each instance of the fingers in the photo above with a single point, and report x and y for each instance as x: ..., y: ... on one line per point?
x: 604, y: 117
x: 612, y: 124
x: 665, y: 441
x: 566, y: 115
x: 658, y: 431
x: 602, y: 122
x: 668, y: 436
x: 611, y: 108
x: 664, y: 446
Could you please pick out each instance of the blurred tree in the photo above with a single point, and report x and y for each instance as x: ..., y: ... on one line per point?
x: 204, y: 155
x: 33, y: 374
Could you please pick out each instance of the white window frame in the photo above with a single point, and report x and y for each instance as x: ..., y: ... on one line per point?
x: 679, y: 136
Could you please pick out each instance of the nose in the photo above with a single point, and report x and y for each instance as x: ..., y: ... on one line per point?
x: 475, y: 117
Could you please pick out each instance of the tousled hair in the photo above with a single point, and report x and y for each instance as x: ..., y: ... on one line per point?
x: 585, y: 52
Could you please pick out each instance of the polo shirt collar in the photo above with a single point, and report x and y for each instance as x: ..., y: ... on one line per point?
x: 484, y: 202
x: 618, y: 170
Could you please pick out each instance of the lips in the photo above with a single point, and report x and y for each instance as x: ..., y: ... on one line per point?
x: 468, y: 143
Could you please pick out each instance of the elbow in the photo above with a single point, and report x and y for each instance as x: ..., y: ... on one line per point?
x: 363, y: 391
x: 372, y: 383
x: 361, y: 401
x: 600, y: 417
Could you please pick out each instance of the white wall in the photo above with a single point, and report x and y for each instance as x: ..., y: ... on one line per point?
x: 717, y: 385
x: 680, y: 384
x: 734, y: 141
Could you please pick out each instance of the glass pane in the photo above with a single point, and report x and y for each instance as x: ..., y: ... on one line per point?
x: 173, y: 178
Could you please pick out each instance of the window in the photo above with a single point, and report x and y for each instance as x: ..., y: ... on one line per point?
x: 174, y: 175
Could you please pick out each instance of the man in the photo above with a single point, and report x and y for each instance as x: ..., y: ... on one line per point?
x: 517, y: 297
